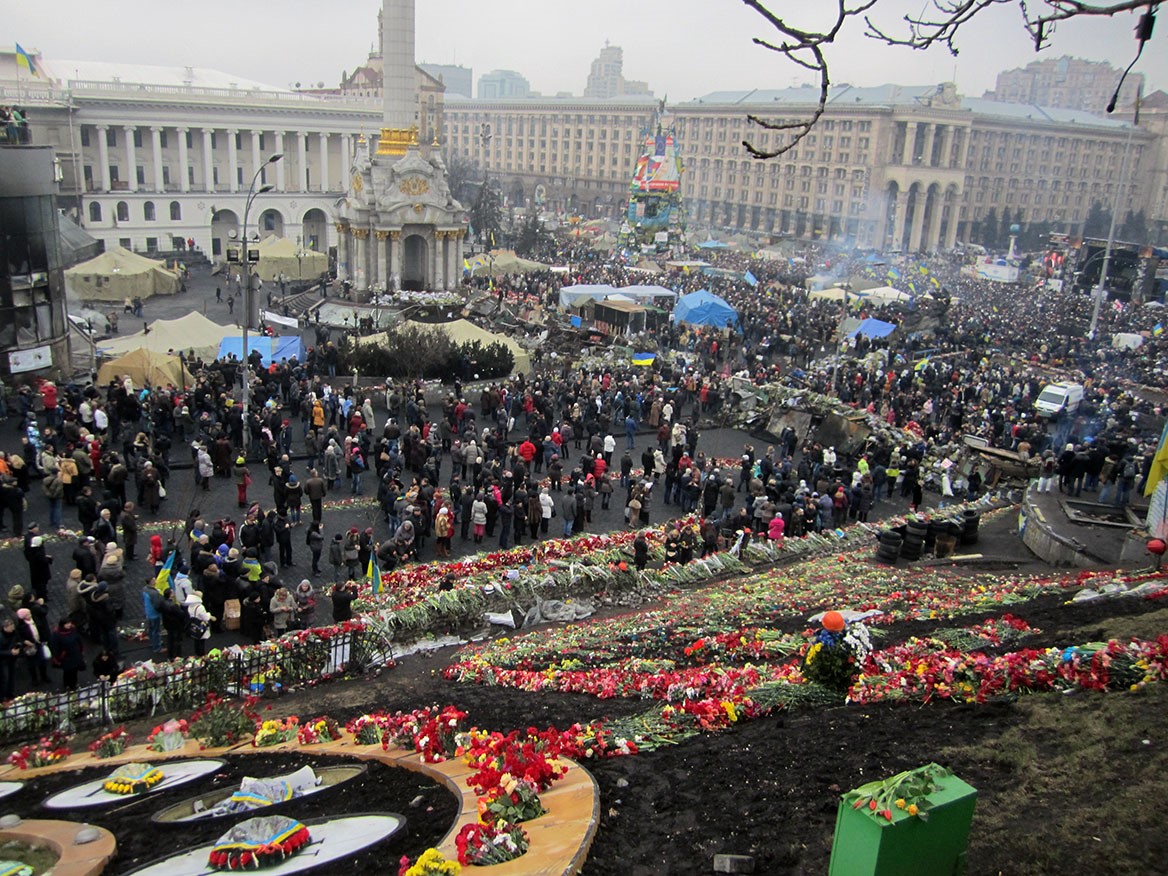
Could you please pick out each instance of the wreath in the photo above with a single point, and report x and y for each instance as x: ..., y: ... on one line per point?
x: 132, y: 778
x: 258, y: 842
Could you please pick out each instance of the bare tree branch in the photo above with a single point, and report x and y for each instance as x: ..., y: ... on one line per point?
x: 938, y: 24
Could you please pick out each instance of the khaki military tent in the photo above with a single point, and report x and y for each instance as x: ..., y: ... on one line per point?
x: 145, y: 368
x: 190, y: 332
x: 504, y: 261
x: 118, y: 274
x: 279, y: 255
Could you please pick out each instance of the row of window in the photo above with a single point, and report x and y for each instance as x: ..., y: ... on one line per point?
x: 122, y: 211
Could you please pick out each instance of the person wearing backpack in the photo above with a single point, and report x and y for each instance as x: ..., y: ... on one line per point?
x: 1127, y: 480
x: 198, y: 621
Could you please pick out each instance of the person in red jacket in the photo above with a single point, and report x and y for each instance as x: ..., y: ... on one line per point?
x: 527, y: 451
x: 599, y: 467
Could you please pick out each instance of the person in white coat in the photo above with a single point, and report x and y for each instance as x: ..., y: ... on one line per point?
x: 199, y: 618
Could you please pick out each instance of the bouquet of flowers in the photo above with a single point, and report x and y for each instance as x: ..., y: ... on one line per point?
x: 168, y: 736
x: 481, y: 844
x: 836, y: 652
x: 510, y: 802
x: 430, y: 731
x: 274, y: 731
x: 319, y: 730
x: 220, y: 722
x: 907, y: 791
x: 110, y: 744
x: 367, y: 729
x: 432, y: 863
x: 133, y: 778
x: 49, y: 750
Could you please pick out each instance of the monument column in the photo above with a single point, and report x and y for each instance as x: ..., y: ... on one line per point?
x: 918, y: 220
x: 382, y: 269
x: 232, y: 161
x: 395, y: 258
x: 343, y: 251
x: 346, y: 160
x: 156, y: 157
x: 899, y: 219
x: 438, y: 261
x: 280, y: 186
x: 302, y: 143
x: 361, y: 270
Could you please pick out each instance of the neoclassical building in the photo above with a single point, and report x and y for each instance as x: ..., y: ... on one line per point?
x: 150, y: 154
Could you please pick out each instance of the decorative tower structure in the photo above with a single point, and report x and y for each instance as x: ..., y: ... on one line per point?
x: 400, y: 227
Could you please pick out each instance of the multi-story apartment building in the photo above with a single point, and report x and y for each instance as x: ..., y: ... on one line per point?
x: 1066, y: 82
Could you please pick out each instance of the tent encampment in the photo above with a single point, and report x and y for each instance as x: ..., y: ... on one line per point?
x: 279, y: 255
x: 271, y: 349
x: 118, y: 274
x: 833, y: 294
x: 145, y: 368
x: 704, y: 308
x: 190, y: 332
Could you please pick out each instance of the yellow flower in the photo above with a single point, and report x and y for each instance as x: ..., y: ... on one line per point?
x: 730, y: 711
x: 913, y: 809
x: 900, y: 803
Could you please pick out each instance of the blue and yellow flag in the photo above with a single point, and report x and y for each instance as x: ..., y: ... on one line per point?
x: 645, y: 359
x: 1159, y: 464
x: 1158, y: 329
x: 750, y: 278
x: 373, y: 572
x: 24, y: 59
x: 162, y: 581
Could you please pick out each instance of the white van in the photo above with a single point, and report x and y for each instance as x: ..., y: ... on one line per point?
x: 1059, y: 398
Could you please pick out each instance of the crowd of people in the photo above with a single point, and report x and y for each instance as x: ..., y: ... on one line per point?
x: 531, y: 456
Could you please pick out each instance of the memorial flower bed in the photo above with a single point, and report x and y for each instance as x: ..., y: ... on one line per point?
x: 51, y: 749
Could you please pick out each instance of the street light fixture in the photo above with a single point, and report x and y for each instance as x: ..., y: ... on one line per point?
x: 252, y: 194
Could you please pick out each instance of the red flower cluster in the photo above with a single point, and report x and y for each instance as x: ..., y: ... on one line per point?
x: 483, y: 844
x: 238, y: 856
x: 49, y: 750
x: 529, y: 757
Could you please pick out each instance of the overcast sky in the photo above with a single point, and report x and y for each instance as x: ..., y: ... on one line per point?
x: 682, y: 48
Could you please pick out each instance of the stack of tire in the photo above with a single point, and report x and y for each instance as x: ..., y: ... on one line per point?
x: 970, y: 520
x: 913, y: 545
x: 890, y: 543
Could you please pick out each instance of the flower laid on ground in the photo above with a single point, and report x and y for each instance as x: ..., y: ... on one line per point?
x: 132, y: 778
x: 907, y: 791
x: 222, y: 722
x: 836, y: 653
x: 431, y: 731
x: 169, y: 736
x: 263, y: 841
x: 367, y: 729
x: 529, y: 757
x: 993, y: 631
x: 274, y: 731
x: 480, y: 844
x: 51, y: 749
x: 510, y: 802
x: 110, y: 744
x: 431, y: 863
x: 322, y: 729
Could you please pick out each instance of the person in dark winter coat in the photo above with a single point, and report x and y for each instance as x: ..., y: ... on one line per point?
x: 343, y: 595
x: 68, y: 652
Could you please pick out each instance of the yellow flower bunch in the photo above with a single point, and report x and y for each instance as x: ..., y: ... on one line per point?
x: 433, y: 863
x: 126, y: 785
x: 813, y: 651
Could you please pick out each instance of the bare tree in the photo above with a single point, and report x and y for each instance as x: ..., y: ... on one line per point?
x: 938, y: 24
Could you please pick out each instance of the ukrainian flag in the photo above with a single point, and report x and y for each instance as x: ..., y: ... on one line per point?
x: 645, y: 359
x: 24, y: 59
x: 162, y: 581
x: 374, y: 573
x: 921, y: 365
x: 1158, y: 329
x: 1159, y: 464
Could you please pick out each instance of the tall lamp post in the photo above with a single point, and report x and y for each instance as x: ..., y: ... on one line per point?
x: 252, y: 194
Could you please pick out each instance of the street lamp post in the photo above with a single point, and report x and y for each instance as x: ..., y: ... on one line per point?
x: 1100, y: 290
x: 252, y: 194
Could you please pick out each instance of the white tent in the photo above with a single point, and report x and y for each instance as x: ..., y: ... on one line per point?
x: 190, y: 332
x: 833, y: 294
x: 886, y: 295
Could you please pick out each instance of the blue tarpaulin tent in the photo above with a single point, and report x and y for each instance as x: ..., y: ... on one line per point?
x: 704, y: 308
x: 271, y: 349
x: 874, y: 328
x: 713, y: 244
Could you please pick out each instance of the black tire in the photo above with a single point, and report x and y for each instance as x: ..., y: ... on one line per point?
x: 910, y: 553
x: 912, y: 527
x: 886, y: 556
x: 891, y: 539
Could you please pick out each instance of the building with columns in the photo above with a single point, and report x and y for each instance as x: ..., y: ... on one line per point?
x: 400, y: 227
x: 892, y: 167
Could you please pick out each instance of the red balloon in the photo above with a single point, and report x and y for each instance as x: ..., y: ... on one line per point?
x: 1157, y: 546
x: 833, y: 621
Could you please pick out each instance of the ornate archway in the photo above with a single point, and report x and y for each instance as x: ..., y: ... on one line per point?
x: 414, y: 252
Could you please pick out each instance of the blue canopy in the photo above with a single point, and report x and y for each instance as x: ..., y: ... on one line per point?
x: 704, y: 308
x: 713, y: 244
x: 271, y: 349
x: 874, y: 328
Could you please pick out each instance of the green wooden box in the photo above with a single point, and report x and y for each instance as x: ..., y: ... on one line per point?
x: 906, y: 846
